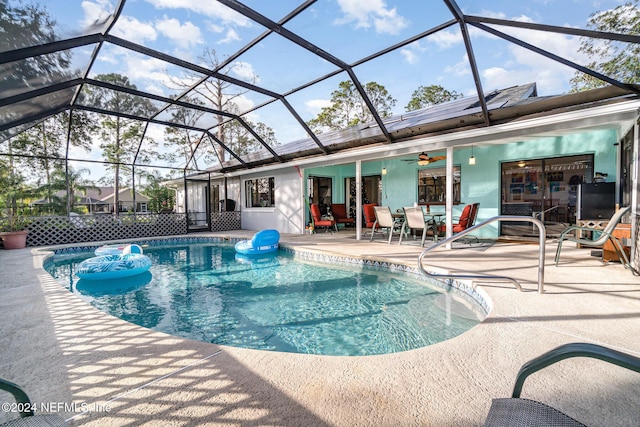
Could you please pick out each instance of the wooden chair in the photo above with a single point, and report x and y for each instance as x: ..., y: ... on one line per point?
x: 328, y: 224
x: 339, y: 211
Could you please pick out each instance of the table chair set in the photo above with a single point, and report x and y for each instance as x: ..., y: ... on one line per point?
x: 381, y: 219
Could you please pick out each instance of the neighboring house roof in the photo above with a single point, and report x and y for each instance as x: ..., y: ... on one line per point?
x: 100, y: 196
x: 105, y: 194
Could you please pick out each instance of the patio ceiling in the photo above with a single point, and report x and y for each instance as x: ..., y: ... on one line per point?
x: 299, y: 64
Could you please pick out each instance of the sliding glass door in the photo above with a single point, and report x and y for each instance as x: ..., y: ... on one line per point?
x: 545, y: 189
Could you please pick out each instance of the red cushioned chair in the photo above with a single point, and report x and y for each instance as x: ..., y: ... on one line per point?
x: 369, y: 215
x: 466, y: 220
x: 328, y: 224
x: 339, y: 211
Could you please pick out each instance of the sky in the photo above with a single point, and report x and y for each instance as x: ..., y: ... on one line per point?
x: 347, y: 29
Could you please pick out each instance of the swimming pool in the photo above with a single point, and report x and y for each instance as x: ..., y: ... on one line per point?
x: 206, y: 292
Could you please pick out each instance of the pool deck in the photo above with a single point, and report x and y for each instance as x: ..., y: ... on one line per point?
x: 71, y: 357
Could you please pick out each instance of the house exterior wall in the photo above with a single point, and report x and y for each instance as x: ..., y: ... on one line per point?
x: 287, y: 214
x: 480, y: 182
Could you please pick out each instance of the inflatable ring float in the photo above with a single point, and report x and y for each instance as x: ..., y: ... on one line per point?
x: 129, y: 263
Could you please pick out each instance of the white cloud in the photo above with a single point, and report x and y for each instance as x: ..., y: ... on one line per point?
x: 519, y: 65
x: 245, y: 104
x: 245, y: 71
x: 409, y: 56
x: 411, y: 53
x: 232, y: 36
x: 212, y: 9
x: 368, y: 13
x: 184, y: 35
x: 95, y: 12
x: 460, y: 69
x: 315, y: 106
x: 133, y: 30
x: 444, y: 39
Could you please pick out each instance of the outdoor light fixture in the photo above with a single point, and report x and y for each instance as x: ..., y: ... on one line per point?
x: 384, y: 171
x: 522, y: 164
x: 472, y: 160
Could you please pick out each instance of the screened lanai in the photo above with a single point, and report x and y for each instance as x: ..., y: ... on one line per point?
x: 127, y: 94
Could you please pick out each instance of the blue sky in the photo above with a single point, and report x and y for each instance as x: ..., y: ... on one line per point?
x: 349, y: 30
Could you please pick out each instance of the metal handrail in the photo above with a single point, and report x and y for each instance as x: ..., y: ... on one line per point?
x: 511, y: 218
x: 539, y: 214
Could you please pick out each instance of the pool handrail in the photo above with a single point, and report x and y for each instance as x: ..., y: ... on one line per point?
x: 509, y: 218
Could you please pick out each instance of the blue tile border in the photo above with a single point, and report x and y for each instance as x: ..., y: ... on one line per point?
x: 467, y: 292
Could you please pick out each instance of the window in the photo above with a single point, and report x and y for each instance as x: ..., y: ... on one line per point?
x: 259, y: 192
x: 432, y: 185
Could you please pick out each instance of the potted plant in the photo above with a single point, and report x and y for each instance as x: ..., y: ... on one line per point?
x: 13, y: 232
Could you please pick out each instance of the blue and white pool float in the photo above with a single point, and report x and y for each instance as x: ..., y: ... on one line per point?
x: 263, y: 242
x: 129, y: 263
x: 115, y: 249
x: 110, y: 249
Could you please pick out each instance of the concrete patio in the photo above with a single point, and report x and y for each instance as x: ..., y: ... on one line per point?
x: 104, y: 371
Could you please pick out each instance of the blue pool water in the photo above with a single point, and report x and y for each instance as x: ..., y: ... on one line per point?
x: 208, y: 293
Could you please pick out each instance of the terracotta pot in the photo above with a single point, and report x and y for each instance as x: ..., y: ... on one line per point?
x: 14, y: 239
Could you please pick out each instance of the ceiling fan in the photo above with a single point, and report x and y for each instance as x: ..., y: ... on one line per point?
x: 424, y: 159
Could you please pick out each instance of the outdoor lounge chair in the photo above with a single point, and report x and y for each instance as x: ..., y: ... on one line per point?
x: 318, y: 221
x: 519, y: 412
x: 384, y: 220
x: 24, y: 408
x: 605, y: 234
x: 339, y: 211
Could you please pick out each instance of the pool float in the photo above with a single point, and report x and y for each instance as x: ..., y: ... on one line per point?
x: 124, y: 285
x: 109, y: 250
x: 269, y: 259
x: 129, y: 263
x: 263, y: 242
x: 113, y: 249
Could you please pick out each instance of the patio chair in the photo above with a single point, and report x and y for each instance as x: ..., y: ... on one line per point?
x: 605, y: 235
x: 466, y: 220
x: 339, y: 211
x: 318, y: 221
x: 369, y: 215
x: 384, y: 220
x: 414, y: 219
x: 24, y: 408
x: 519, y: 412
